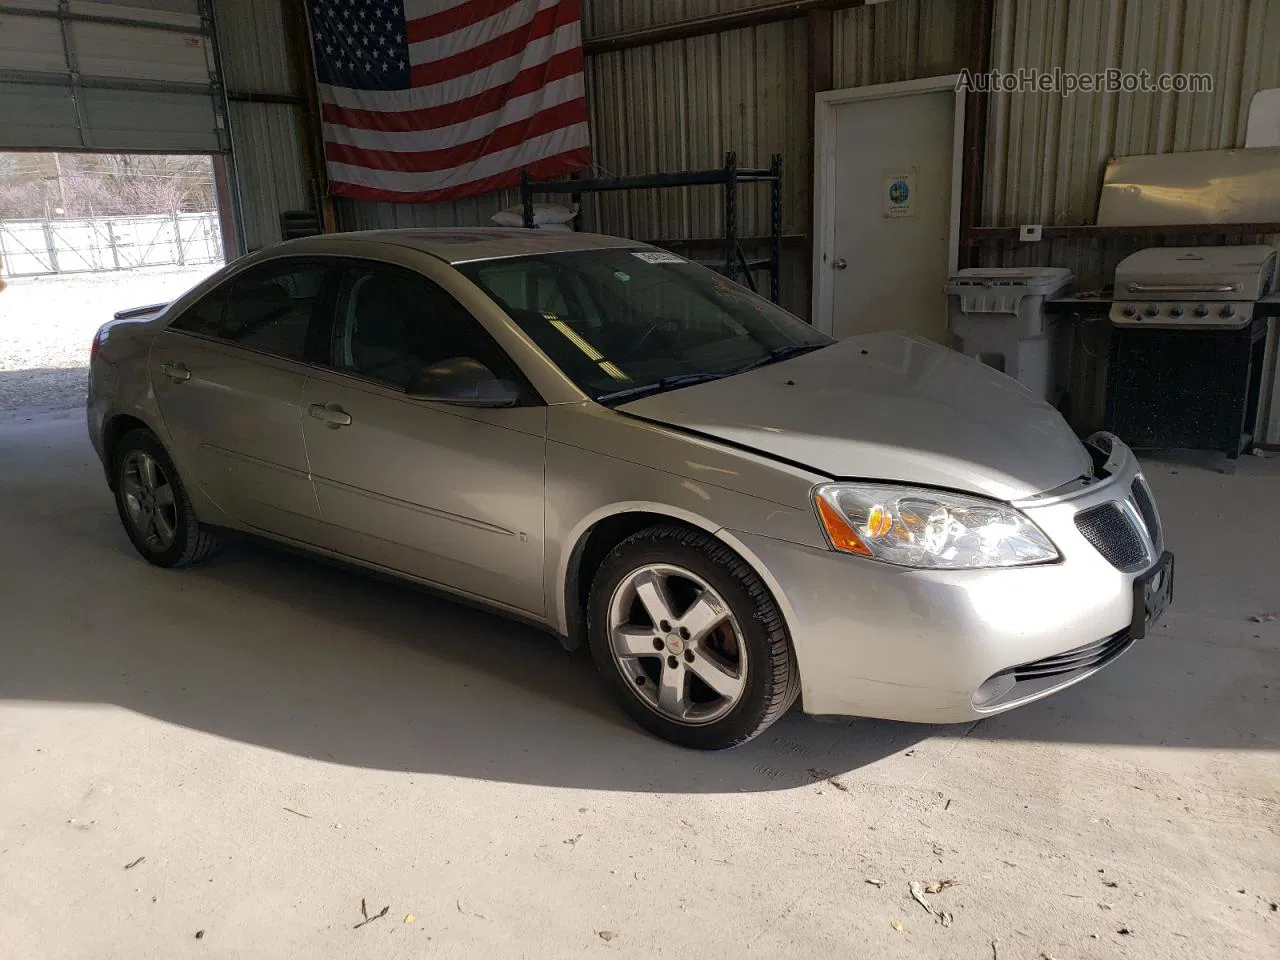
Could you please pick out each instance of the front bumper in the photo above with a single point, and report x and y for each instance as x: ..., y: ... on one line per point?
x: 948, y: 646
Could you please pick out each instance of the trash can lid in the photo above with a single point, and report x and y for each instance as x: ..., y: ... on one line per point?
x: 1043, y: 281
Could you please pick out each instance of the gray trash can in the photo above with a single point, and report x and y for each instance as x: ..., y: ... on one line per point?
x: 996, y: 315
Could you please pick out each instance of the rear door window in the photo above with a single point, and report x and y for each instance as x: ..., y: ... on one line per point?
x: 269, y: 309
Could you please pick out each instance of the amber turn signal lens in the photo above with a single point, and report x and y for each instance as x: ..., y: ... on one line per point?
x: 838, y: 529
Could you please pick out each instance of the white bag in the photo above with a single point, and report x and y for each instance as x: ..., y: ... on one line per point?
x: 548, y: 216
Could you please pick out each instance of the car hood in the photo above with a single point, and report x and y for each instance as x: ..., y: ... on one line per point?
x: 886, y: 406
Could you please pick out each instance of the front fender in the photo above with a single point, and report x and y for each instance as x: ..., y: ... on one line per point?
x: 585, y: 486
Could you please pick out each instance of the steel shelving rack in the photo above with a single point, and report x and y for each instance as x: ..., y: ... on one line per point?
x: 731, y: 177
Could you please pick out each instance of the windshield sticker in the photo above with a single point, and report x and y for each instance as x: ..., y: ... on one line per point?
x: 657, y: 256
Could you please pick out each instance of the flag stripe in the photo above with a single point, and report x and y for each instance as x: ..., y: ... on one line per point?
x: 420, y: 9
x: 426, y: 100
x: 437, y: 24
x: 513, y: 158
x: 469, y: 129
x: 567, y: 38
x: 493, y: 51
x: 550, y: 166
x: 503, y: 138
x: 445, y: 33
x: 567, y: 65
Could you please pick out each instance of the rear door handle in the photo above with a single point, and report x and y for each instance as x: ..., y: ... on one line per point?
x: 330, y: 414
x: 177, y: 372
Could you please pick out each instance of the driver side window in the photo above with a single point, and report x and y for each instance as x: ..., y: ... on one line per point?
x: 391, y: 323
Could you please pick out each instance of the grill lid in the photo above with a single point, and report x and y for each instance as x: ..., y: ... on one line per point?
x: 1239, y: 273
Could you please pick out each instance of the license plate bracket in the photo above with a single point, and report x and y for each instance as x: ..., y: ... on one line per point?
x: 1152, y: 594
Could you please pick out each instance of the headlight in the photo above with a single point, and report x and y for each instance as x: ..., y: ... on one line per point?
x: 917, y: 527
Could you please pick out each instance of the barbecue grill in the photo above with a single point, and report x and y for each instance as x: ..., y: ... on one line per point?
x: 1187, y: 343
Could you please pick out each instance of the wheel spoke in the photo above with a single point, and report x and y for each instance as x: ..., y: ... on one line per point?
x: 717, y: 676
x: 147, y: 471
x: 163, y: 527
x: 653, y: 594
x: 671, y: 690
x: 703, y: 616
x: 633, y: 642
x: 132, y: 491
x: 164, y: 495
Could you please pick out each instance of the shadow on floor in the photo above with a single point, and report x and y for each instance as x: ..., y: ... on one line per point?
x: 284, y: 652
x: 273, y: 649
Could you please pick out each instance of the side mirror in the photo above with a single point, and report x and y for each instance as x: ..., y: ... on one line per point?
x: 464, y: 382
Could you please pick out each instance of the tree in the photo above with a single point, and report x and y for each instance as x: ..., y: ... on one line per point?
x: 87, y: 185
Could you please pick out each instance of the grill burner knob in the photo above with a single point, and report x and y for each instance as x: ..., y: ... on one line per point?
x: 1175, y: 311
x: 1201, y: 311
x: 1152, y: 311
x: 1228, y: 311
x: 1128, y: 311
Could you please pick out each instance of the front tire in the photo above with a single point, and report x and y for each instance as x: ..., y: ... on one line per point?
x: 690, y: 640
x: 154, y: 506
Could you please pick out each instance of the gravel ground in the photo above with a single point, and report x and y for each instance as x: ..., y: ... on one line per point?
x: 46, y: 324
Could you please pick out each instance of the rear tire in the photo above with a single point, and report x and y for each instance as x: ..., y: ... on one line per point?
x: 690, y: 640
x: 154, y: 507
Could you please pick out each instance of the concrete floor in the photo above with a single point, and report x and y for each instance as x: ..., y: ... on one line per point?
x: 280, y: 740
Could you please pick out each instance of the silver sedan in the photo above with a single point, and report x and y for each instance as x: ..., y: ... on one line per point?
x: 728, y: 508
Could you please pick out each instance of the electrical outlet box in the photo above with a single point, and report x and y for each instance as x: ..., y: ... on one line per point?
x: 1029, y: 232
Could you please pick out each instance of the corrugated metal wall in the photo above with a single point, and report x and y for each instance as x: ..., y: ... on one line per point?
x: 267, y: 140
x: 600, y: 17
x: 471, y: 212
x: 1046, y: 153
x: 899, y: 40
x: 677, y: 106
x: 682, y: 105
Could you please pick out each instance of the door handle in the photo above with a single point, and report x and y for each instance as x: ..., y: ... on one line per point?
x: 177, y: 372
x: 330, y: 414
x: 839, y: 264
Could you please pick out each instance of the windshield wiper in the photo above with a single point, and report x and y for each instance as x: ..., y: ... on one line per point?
x: 785, y: 352
x: 673, y: 382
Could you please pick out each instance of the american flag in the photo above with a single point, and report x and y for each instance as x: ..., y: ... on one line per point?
x: 425, y: 100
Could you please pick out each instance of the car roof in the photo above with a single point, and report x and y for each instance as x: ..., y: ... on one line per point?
x: 466, y: 244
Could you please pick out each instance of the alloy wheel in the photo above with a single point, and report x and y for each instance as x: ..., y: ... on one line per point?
x: 677, y: 643
x: 149, y: 501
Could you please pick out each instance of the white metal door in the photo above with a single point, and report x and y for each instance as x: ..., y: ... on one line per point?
x: 891, y: 208
x: 113, y: 76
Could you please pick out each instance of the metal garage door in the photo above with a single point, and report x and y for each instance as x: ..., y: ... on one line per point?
x: 111, y: 75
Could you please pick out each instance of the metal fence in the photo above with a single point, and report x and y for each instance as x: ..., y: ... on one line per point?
x: 32, y: 248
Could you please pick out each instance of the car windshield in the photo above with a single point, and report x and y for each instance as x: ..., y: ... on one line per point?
x: 623, y: 323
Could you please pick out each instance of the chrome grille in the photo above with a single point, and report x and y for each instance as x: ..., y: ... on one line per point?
x: 1081, y: 658
x: 1147, y: 508
x: 1113, y: 535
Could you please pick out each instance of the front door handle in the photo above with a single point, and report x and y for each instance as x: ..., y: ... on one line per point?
x: 840, y: 263
x: 330, y: 414
x: 177, y: 372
